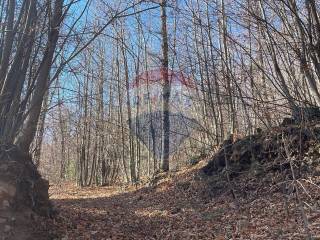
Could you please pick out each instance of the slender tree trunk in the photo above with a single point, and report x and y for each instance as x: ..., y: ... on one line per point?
x: 29, y: 128
x: 165, y: 90
x: 40, y: 132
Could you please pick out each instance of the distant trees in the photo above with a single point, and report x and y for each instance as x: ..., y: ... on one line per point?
x: 40, y: 41
x: 253, y: 62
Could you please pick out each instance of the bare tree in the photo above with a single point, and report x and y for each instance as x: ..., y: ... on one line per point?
x: 165, y: 90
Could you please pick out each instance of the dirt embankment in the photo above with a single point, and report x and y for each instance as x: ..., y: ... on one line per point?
x: 271, y: 150
x: 23, y: 195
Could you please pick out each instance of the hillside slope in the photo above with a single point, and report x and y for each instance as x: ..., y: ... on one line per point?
x: 191, y: 205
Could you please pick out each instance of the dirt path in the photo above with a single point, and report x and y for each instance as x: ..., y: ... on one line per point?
x: 148, y: 213
x: 178, y: 208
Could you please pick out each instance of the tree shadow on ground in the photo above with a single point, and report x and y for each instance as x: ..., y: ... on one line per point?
x: 179, y: 209
x: 162, y: 212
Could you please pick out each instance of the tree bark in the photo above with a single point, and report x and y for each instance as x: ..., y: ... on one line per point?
x: 29, y: 128
x: 166, y: 90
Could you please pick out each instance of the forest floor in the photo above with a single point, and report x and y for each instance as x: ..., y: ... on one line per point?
x: 183, y: 205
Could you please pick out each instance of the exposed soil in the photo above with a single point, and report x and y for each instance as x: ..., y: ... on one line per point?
x: 23, y: 195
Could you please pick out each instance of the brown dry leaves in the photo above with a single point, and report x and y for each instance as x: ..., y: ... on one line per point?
x: 181, y: 207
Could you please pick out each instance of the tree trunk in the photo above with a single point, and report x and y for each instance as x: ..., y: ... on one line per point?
x: 29, y: 128
x: 166, y: 90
